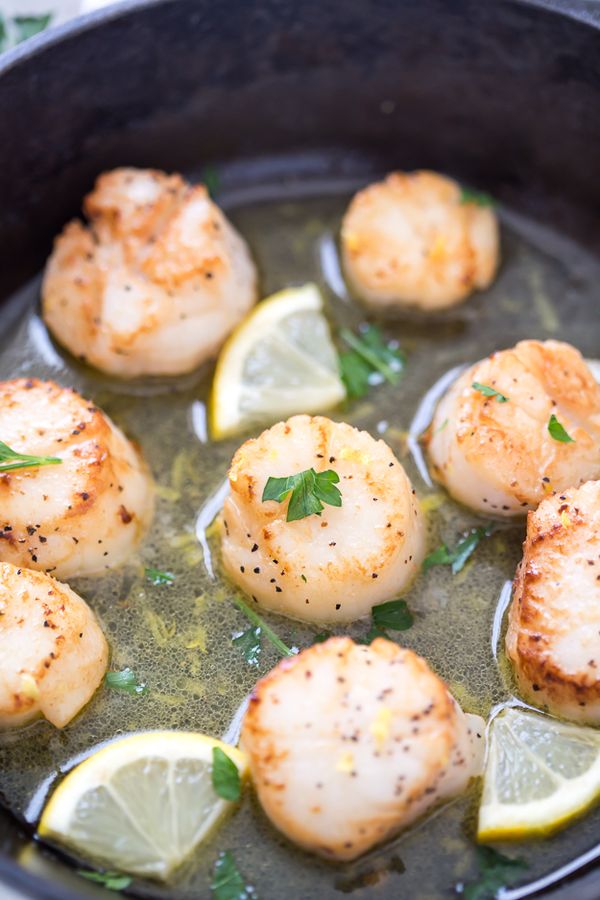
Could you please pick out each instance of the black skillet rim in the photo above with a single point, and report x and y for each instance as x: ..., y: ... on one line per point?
x: 13, y: 875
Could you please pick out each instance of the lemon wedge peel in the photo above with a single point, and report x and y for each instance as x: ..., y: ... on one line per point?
x: 310, y: 379
x: 542, y: 816
x: 98, y: 773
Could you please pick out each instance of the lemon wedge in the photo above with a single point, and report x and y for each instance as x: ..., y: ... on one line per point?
x: 278, y: 362
x: 540, y: 773
x: 140, y: 804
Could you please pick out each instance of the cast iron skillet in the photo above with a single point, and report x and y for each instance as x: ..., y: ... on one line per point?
x: 504, y: 93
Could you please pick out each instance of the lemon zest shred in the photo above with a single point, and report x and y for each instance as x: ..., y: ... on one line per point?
x: 381, y: 725
x: 345, y: 763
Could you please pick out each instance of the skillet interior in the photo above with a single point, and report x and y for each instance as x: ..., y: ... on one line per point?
x: 463, y: 103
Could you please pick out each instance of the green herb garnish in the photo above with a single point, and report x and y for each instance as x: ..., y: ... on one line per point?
x: 394, y: 614
x: 114, y: 881
x: 27, y: 26
x: 211, y: 180
x: 457, y: 558
x: 308, y: 491
x: 227, y: 883
x: 488, y: 391
x: 124, y: 681
x: 557, y: 431
x: 225, y: 776
x: 156, y: 576
x: 10, y: 459
x: 322, y: 636
x: 370, y: 361
x: 249, y: 642
x: 259, y: 623
x: 495, y: 872
x: 2, y: 33
x: 480, y: 198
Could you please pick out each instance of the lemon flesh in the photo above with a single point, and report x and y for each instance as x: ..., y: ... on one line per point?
x: 540, y: 774
x: 279, y: 361
x: 140, y: 804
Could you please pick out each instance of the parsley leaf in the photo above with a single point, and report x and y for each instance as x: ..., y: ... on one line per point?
x: 156, y: 576
x: 480, y: 198
x: 225, y: 776
x: 10, y: 459
x: 124, y: 681
x: 27, y: 26
x: 114, y: 881
x: 557, y: 431
x: 322, y: 636
x: 457, y: 558
x: 370, y: 361
x: 308, y: 491
x: 2, y: 32
x: 249, y: 642
x: 264, y: 628
x: 488, y: 391
x: 227, y: 883
x: 211, y: 180
x: 394, y: 614
x: 495, y: 872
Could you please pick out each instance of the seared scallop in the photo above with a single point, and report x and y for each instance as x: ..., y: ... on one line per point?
x: 331, y: 567
x: 416, y: 240
x: 553, y: 638
x: 348, y: 744
x: 494, y: 442
x: 84, y: 514
x: 156, y: 281
x: 53, y: 653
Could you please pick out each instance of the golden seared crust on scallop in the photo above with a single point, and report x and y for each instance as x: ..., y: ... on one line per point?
x: 336, y: 566
x: 500, y: 457
x: 348, y: 744
x: 411, y: 240
x: 156, y: 281
x: 553, y: 639
x: 53, y: 653
x: 83, y: 515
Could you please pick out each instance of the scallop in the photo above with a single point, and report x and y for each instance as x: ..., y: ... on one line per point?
x: 83, y: 515
x: 553, y: 639
x: 53, y: 654
x: 154, y: 283
x: 331, y: 567
x: 416, y: 240
x: 349, y: 744
x: 495, y: 438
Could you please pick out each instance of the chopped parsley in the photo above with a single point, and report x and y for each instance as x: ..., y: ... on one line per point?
x: 495, y: 872
x: 227, y: 882
x: 113, y: 881
x: 394, y: 614
x: 249, y: 642
x: 322, y: 636
x: 124, y: 681
x: 257, y: 622
x: 557, y: 431
x: 307, y: 490
x: 10, y: 459
x: 2, y: 33
x: 371, y: 360
x: 157, y: 577
x: 225, y: 776
x: 480, y: 198
x: 457, y: 558
x: 488, y: 391
x: 211, y: 180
